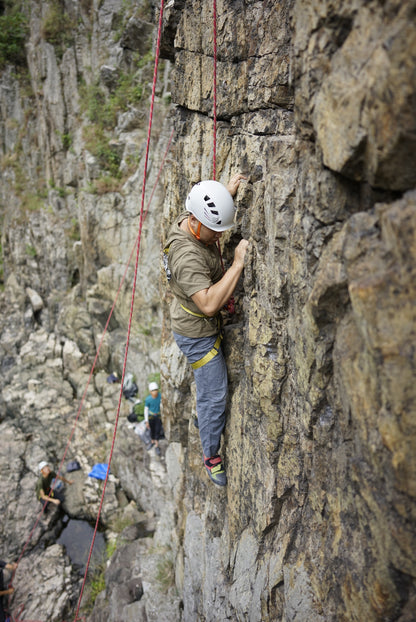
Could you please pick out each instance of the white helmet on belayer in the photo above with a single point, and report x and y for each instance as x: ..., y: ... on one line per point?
x: 211, y: 203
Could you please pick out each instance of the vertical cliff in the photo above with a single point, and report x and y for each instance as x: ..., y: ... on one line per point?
x: 316, y: 106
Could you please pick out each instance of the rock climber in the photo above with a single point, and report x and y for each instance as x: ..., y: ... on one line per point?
x: 5, y: 591
x: 44, y: 485
x: 193, y: 266
x: 152, y: 415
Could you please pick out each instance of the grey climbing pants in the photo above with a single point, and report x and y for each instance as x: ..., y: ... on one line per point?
x: 211, y: 390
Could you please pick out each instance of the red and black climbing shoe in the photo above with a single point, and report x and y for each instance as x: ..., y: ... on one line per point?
x: 216, y: 470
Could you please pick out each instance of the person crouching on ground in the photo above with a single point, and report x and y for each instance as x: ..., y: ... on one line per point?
x: 194, y: 271
x: 45, y: 490
x: 152, y: 415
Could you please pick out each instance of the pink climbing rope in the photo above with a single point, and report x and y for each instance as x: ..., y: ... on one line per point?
x: 95, y: 360
x: 214, y: 164
x: 123, y: 278
x: 131, y: 306
x: 230, y: 306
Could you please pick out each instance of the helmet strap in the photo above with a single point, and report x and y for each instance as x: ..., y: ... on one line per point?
x: 197, y: 235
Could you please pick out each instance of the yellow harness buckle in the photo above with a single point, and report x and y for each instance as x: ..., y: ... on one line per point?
x: 209, y: 356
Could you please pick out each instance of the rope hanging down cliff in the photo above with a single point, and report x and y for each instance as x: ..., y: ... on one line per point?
x: 143, y: 214
x: 141, y: 220
x: 230, y: 306
x: 137, y: 241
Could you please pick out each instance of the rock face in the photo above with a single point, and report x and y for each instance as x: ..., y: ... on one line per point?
x: 316, y: 106
x: 317, y: 109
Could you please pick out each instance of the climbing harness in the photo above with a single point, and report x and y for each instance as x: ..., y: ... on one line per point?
x: 215, y: 349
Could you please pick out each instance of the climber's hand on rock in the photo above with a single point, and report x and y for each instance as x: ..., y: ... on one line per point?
x: 240, y: 252
x: 234, y: 182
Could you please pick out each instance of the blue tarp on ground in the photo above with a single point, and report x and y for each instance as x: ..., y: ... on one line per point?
x: 99, y: 471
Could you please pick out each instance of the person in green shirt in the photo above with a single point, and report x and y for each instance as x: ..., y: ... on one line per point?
x: 201, y: 289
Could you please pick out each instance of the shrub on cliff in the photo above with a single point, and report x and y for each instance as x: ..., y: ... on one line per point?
x: 57, y: 27
x: 13, y: 33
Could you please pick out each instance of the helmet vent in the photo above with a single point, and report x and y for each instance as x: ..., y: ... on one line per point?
x: 209, y: 201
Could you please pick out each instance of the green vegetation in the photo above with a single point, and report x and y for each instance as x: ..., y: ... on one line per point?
x: 119, y: 524
x: 62, y: 192
x: 32, y: 202
x: 102, y: 110
x: 138, y: 410
x: 96, y: 585
x: 58, y: 27
x: 66, y: 141
x: 98, y: 143
x: 74, y: 232
x: 13, y: 33
x: 93, y: 102
x: 165, y: 575
x: 31, y: 250
x: 144, y: 330
x: 96, y: 578
x: 110, y: 548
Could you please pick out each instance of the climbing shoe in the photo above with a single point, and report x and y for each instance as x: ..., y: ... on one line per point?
x: 215, y: 470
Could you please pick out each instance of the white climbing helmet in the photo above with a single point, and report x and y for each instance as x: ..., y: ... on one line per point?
x: 42, y: 465
x: 153, y: 386
x: 211, y: 204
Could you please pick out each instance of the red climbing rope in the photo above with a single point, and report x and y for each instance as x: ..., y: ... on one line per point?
x: 230, y: 306
x: 95, y: 360
x: 214, y: 164
x: 123, y: 278
x: 131, y: 306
